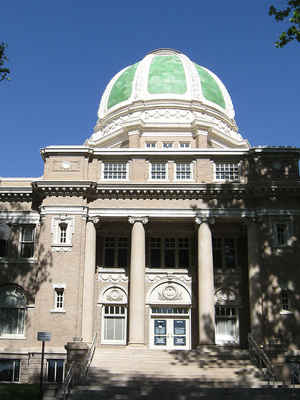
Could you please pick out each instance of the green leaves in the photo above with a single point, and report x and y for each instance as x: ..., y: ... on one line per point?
x: 3, y: 58
x: 293, y: 32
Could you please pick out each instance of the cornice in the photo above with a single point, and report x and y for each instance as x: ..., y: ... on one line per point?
x: 63, y: 188
x: 15, y: 193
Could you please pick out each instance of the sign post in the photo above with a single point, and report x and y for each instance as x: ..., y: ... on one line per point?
x: 43, y: 337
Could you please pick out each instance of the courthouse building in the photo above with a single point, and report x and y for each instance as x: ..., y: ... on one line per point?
x: 164, y: 230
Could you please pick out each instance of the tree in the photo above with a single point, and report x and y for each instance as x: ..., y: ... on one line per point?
x: 3, y: 58
x: 292, y: 11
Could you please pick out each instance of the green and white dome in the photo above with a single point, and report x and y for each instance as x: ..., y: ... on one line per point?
x: 166, y: 92
x: 165, y: 74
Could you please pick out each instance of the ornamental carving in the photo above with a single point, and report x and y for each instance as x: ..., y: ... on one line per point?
x: 169, y: 293
x: 225, y: 296
x: 114, y: 295
x: 113, y: 278
x: 151, y: 278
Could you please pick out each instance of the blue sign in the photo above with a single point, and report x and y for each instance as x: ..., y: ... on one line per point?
x: 44, y: 336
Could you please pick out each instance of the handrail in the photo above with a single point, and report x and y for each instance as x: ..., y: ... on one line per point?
x: 67, y: 381
x: 260, y: 358
x: 89, y: 357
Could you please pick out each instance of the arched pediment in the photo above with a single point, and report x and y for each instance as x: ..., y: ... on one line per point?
x: 169, y: 292
x: 113, y: 294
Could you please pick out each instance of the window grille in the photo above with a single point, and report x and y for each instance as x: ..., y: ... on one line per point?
x: 159, y: 171
x: 169, y: 252
x: 114, y: 329
x: 183, y: 171
x: 27, y: 241
x: 9, y: 370
x: 63, y: 232
x: 227, y: 172
x: 59, y: 298
x: 12, y: 311
x: 116, y: 252
x: 115, y: 170
x: 285, y: 300
x: 55, y: 371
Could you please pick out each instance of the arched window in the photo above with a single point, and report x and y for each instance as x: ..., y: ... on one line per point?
x: 12, y: 311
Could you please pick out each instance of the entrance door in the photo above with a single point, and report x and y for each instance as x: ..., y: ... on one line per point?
x: 170, y: 332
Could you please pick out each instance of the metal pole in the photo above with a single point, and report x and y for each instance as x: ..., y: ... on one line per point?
x: 42, y: 368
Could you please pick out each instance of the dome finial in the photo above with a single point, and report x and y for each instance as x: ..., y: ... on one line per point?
x: 165, y: 51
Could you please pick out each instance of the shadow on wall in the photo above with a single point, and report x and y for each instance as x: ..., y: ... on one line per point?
x: 28, y: 273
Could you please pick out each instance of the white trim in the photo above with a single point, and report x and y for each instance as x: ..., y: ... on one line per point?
x: 65, y: 210
x: 126, y: 162
x: 22, y: 217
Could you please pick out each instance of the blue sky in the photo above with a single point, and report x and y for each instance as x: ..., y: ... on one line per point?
x: 63, y: 53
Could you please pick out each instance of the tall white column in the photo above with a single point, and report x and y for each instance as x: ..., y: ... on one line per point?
x: 137, y: 282
x: 89, y: 280
x: 255, y: 290
x: 206, y: 295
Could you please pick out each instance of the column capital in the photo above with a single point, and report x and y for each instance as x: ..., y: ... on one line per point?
x: 208, y: 220
x: 143, y: 220
x: 94, y: 220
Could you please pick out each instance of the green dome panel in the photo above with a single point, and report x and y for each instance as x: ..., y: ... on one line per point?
x: 210, y: 88
x: 122, y: 88
x: 166, y: 75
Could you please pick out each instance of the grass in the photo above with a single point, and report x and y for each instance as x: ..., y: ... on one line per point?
x: 14, y: 391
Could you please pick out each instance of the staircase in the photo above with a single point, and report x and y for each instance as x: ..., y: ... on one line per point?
x: 207, y: 373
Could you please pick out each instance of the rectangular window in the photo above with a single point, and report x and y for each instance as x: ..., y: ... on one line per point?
x: 227, y: 171
x: 114, y: 327
x: 183, y: 171
x: 282, y: 233
x: 169, y: 252
x: 150, y: 145
x: 115, y: 170
x: 159, y: 170
x: 167, y: 145
x: 9, y: 370
x: 55, y: 371
x: 59, y: 299
x: 285, y: 300
x: 116, y: 252
x: 225, y: 253
x: 63, y: 232
x: 27, y: 241
x: 185, y: 145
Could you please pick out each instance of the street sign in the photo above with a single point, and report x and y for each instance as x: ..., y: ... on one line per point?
x: 44, y: 336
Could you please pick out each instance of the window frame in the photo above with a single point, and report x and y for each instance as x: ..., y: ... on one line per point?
x: 24, y: 242
x: 58, y: 289
x: 116, y: 250
x: 286, y: 306
x: 150, y: 145
x: 168, y: 145
x: 20, y: 321
x: 163, y: 250
x: 14, y: 362
x: 191, y: 171
x: 57, y: 221
x: 236, y: 165
x: 109, y: 315
x: 224, y: 268
x: 55, y: 360
x: 151, y: 172
x: 182, y: 145
x: 115, y: 162
x: 286, y: 234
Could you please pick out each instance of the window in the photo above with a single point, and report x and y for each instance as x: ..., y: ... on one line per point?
x: 9, y: 370
x: 227, y: 330
x: 183, y: 171
x: 158, y: 170
x: 59, y: 298
x: 115, y: 170
x: 27, y: 241
x: 55, y: 370
x: 63, y: 232
x: 62, y: 229
x: 116, y: 252
x: 5, y: 232
x: 227, y: 171
x: 169, y: 252
x: 150, y: 145
x: 167, y: 145
x: 225, y: 253
x: 285, y: 300
x: 282, y: 233
x: 114, y: 324
x: 185, y: 145
x: 12, y: 311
